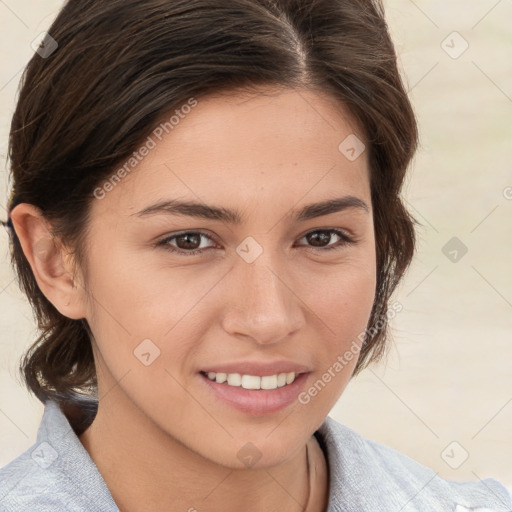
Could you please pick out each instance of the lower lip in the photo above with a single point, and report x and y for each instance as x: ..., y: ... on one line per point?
x: 257, y: 401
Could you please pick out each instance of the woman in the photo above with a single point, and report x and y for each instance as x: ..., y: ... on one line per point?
x: 206, y: 219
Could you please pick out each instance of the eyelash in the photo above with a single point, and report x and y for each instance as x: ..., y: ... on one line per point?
x: 345, y: 240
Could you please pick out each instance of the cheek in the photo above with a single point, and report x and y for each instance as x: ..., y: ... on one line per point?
x: 134, y: 300
x: 353, y: 299
x: 343, y: 295
x: 341, y: 303
x: 147, y: 327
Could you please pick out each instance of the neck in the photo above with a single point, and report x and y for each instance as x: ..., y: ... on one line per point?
x: 146, y: 469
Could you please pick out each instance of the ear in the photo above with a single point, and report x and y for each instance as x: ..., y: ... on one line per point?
x: 50, y: 262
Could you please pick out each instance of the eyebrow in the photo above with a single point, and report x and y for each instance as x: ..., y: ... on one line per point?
x: 210, y: 212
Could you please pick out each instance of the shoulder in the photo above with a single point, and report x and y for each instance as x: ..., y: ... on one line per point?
x: 55, y: 473
x: 366, y: 475
x: 29, y: 482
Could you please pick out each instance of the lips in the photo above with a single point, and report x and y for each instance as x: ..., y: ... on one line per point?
x: 255, y: 387
x: 255, y: 401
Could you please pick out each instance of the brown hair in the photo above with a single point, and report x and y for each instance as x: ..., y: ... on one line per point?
x: 121, y: 65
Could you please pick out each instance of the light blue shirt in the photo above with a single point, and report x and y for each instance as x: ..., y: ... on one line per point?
x: 57, y: 474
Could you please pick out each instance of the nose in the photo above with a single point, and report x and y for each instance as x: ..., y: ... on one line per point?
x: 262, y: 303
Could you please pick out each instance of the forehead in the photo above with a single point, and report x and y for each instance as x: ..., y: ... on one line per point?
x: 273, y: 147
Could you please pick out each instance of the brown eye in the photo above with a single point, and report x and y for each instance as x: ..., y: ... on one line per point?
x: 187, y: 243
x: 320, y: 239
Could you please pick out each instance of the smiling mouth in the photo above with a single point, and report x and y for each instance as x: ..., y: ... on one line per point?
x: 255, y: 382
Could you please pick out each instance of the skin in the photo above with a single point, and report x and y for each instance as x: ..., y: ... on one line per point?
x: 160, y: 439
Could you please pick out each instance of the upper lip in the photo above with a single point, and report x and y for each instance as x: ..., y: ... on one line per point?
x: 258, y: 368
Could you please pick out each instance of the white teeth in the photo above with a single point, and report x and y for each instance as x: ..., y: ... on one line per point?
x: 281, y: 380
x: 234, y: 379
x: 219, y: 377
x: 253, y: 381
x: 268, y: 382
x: 250, y: 382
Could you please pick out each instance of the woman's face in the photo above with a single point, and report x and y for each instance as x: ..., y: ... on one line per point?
x: 239, y: 283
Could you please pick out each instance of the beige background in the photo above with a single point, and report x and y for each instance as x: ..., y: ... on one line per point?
x: 448, y: 376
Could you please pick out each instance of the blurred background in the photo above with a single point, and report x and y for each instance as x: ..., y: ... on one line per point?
x: 444, y: 395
